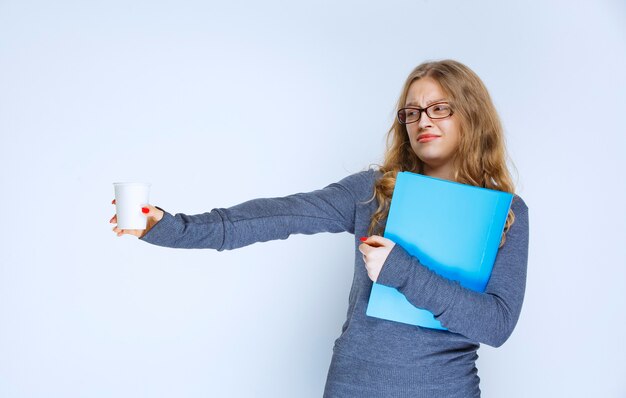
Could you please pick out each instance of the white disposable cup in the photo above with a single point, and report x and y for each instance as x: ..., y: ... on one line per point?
x: 129, y: 198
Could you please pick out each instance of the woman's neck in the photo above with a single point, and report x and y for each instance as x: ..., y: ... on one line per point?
x: 444, y: 172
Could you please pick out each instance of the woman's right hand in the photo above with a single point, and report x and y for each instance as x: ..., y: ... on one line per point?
x: 154, y: 215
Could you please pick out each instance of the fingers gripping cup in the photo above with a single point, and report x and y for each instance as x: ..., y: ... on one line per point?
x: 129, y: 198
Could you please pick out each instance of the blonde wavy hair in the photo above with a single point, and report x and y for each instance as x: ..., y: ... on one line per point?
x: 480, y: 159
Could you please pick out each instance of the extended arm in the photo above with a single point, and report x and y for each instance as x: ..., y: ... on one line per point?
x: 488, y: 317
x: 330, y: 209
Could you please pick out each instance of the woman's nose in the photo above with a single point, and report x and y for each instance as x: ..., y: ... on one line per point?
x: 424, y: 121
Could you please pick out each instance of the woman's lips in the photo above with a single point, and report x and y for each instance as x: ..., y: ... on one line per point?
x: 427, y: 138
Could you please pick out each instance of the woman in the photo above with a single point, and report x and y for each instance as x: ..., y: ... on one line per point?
x: 448, y: 128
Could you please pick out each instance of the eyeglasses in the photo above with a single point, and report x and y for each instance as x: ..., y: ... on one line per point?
x: 440, y: 110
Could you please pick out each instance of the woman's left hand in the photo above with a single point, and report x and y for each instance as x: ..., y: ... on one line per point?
x: 375, y: 250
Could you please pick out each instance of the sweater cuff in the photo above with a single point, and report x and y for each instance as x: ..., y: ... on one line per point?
x: 159, y: 231
x: 396, y: 268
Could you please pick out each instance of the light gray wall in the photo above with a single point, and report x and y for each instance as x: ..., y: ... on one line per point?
x: 216, y: 103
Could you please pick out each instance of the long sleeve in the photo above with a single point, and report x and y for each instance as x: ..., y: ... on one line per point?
x: 488, y: 317
x: 331, y: 209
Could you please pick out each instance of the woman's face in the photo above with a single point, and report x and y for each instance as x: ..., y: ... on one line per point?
x: 437, y: 153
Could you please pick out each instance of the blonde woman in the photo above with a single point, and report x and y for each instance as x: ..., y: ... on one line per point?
x: 446, y: 127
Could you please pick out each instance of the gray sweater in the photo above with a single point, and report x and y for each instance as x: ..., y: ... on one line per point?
x: 375, y: 357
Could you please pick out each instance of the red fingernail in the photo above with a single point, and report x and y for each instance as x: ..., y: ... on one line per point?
x: 145, y: 210
x: 363, y: 239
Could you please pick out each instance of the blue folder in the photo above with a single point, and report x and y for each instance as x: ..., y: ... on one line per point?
x: 453, y: 229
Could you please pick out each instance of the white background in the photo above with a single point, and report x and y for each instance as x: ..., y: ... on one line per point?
x: 215, y: 103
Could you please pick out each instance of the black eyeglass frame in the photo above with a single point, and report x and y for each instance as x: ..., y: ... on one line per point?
x: 422, y: 110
